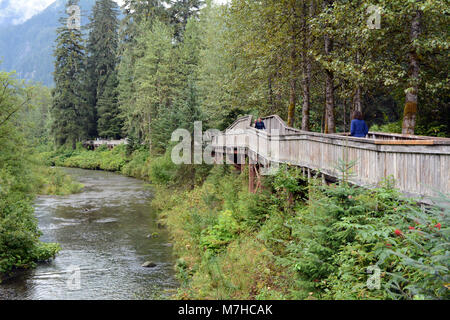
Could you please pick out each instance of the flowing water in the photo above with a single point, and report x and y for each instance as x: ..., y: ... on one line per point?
x: 106, y: 233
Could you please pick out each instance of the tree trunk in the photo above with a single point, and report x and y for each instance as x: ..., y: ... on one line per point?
x: 306, y: 69
x: 271, y: 102
x: 292, y: 99
x: 410, y: 110
x: 293, y: 80
x: 357, y: 104
x: 306, y: 95
x: 149, y: 133
x: 330, y: 126
x: 324, y: 126
x: 345, y: 113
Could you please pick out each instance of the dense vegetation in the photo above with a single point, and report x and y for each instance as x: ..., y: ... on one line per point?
x: 22, y: 175
x: 296, y: 239
x: 313, y: 62
x: 233, y: 244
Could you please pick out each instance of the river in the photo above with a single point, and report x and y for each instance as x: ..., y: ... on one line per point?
x: 106, y: 233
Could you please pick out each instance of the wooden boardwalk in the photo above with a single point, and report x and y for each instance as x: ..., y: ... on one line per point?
x: 94, y: 144
x: 420, y: 165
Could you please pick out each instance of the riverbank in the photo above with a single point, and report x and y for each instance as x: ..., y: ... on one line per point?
x: 53, y: 181
x: 20, y: 245
x: 103, y: 231
x: 22, y: 178
x: 296, y: 239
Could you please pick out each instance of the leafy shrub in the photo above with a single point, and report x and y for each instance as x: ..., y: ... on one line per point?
x: 393, y: 127
x: 163, y: 170
x: 426, y: 259
x: 19, y: 235
x: 217, y: 237
x: 137, y: 166
x: 253, y: 209
x: 53, y: 181
x: 434, y: 129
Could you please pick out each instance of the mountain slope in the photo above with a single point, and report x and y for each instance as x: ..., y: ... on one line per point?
x: 28, y: 48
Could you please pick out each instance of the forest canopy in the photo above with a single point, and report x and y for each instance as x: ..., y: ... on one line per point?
x: 167, y: 64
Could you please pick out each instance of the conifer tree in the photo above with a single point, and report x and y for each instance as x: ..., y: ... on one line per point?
x: 138, y: 12
x: 138, y: 20
x: 153, y: 77
x: 102, y: 59
x: 180, y: 11
x: 69, y: 108
x: 184, y: 108
x: 109, y: 121
x: 126, y: 93
x: 187, y: 97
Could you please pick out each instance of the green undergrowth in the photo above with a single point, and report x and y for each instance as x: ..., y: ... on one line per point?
x: 433, y: 129
x: 116, y: 160
x: 136, y: 163
x: 20, y: 247
x: 53, y: 181
x: 294, y: 239
x: 100, y: 159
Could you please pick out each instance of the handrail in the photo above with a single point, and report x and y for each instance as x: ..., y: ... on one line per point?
x: 247, y: 119
x: 395, y: 136
x: 420, y: 165
x: 378, y: 138
x: 107, y: 142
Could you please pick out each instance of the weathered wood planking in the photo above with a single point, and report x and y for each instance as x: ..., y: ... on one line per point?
x: 109, y: 143
x: 419, y: 165
x: 405, y: 142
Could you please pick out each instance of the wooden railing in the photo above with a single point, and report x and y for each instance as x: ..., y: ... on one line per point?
x: 94, y: 144
x: 419, y: 165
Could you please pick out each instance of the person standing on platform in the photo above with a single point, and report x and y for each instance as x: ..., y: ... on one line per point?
x: 359, y: 127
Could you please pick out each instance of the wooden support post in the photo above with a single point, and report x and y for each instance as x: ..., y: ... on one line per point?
x: 251, y: 178
x: 258, y: 178
x: 218, y: 157
x: 290, y: 199
x: 323, y: 179
x: 309, y: 183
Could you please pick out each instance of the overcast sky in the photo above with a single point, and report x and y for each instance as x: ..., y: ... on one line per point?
x: 22, y: 10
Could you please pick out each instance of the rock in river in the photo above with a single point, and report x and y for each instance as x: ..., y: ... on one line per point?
x: 149, y: 264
